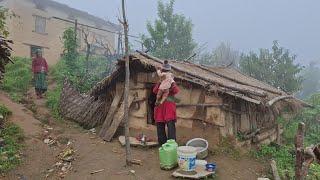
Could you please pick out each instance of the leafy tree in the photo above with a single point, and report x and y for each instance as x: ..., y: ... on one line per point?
x: 5, y: 49
x: 311, y: 82
x: 4, y: 13
x: 221, y: 56
x: 170, y: 35
x: 70, y: 46
x: 275, y: 67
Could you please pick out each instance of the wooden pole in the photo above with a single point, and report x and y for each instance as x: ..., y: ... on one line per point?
x: 126, y: 87
x: 299, y: 151
x: 275, y: 173
x: 75, y: 29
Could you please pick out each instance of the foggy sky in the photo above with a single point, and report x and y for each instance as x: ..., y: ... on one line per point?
x: 246, y: 24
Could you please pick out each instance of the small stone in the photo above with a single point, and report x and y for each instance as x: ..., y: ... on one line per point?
x: 93, y: 130
x: 46, y: 141
x: 50, y: 170
x: 64, y: 169
x: 132, y: 171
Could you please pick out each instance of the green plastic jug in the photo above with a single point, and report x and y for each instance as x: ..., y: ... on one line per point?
x: 168, y: 155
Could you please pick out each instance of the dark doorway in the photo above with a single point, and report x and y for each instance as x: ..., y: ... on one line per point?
x: 151, y: 104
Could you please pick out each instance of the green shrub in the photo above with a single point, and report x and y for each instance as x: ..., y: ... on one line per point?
x: 284, y: 155
x: 4, y: 111
x: 10, y: 153
x: 81, y: 78
x: 53, y: 98
x: 18, y: 78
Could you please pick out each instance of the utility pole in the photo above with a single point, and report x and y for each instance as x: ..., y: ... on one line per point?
x: 126, y: 87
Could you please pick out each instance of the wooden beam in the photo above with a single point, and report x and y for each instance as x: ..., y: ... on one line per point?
x: 111, y: 112
x: 202, y: 105
x: 246, y: 98
x: 117, y: 119
x: 278, y: 98
x: 299, y: 141
x: 127, y: 99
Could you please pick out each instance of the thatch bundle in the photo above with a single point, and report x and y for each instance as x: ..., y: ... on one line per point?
x: 5, y: 54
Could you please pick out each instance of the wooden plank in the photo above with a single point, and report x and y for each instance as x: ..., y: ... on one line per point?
x: 201, y: 105
x: 118, y: 117
x: 241, y: 96
x: 135, y: 142
x: 111, y: 112
x: 199, y: 173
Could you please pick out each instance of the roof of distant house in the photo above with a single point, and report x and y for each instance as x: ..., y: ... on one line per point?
x: 76, y: 13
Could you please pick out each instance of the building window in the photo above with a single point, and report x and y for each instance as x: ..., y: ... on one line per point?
x: 40, y: 24
x: 33, y: 50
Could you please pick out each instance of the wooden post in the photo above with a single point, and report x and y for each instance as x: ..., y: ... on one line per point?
x: 299, y: 151
x: 126, y: 87
x: 278, y: 134
x: 75, y: 29
x: 275, y: 173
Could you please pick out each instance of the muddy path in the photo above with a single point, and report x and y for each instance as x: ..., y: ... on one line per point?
x: 91, y: 153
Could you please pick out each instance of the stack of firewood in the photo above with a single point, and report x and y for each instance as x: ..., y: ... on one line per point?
x: 5, y: 54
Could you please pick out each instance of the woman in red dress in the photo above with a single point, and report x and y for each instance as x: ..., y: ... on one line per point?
x: 165, y: 114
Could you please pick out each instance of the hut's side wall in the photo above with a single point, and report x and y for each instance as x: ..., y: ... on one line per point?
x: 192, y: 121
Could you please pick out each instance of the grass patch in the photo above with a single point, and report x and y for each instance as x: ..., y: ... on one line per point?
x: 227, y: 147
x: 13, y: 137
x: 53, y: 98
x: 4, y: 111
x: 18, y: 77
x: 10, y: 152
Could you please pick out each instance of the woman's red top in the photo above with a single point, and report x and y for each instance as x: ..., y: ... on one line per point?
x: 39, y: 65
x: 167, y: 111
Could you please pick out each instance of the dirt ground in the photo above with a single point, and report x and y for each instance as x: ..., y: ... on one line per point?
x: 94, y: 154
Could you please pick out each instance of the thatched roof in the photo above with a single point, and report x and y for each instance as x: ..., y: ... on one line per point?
x: 214, y: 79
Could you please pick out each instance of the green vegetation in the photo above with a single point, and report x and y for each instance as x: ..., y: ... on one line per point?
x: 53, y: 98
x: 82, y: 74
x: 275, y: 67
x: 284, y: 155
x: 12, y: 136
x: 226, y: 147
x: 4, y: 13
x: 18, y: 78
x: 171, y: 35
x: 4, y: 111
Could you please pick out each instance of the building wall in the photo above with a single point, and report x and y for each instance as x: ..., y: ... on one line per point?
x: 22, y: 30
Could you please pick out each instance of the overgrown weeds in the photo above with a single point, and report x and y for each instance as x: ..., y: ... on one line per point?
x: 10, y: 151
x: 17, y: 79
x: 53, y: 98
x: 284, y: 155
x: 227, y: 146
x: 4, y: 111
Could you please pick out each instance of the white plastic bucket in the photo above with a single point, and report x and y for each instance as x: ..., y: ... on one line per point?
x: 187, y: 158
x: 201, y: 145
